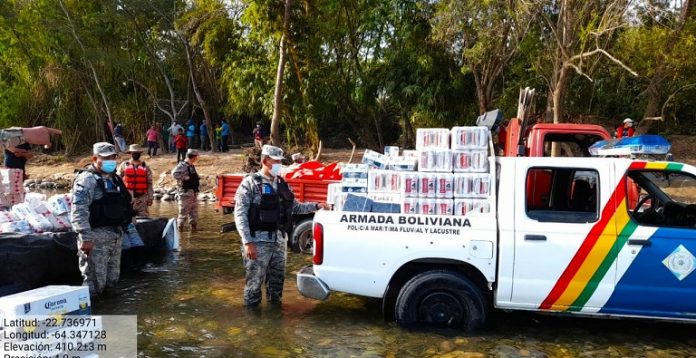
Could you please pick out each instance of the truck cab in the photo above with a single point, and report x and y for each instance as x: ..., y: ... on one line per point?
x: 536, y: 141
x: 562, y: 237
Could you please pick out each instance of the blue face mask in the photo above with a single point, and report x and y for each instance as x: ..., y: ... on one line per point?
x: 108, y: 166
x: 275, y: 169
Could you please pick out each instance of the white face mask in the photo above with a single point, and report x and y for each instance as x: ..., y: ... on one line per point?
x: 275, y: 169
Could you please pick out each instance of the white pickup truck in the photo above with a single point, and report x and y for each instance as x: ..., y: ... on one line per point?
x: 591, y: 236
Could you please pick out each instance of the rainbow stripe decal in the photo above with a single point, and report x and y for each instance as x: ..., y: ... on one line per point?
x: 599, y: 250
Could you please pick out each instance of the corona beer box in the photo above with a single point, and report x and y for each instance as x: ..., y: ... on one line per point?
x: 46, y: 301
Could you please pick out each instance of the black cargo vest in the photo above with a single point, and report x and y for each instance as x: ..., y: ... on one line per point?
x: 114, y: 208
x: 274, y: 212
x: 194, y: 181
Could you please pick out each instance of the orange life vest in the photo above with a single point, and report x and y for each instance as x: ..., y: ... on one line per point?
x: 136, y: 178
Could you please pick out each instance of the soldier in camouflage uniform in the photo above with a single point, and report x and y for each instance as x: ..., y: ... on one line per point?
x: 100, y: 212
x: 188, y: 182
x: 264, y: 205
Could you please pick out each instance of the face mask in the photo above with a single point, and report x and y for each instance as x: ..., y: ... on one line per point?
x: 275, y: 169
x: 135, y: 156
x: 108, y: 166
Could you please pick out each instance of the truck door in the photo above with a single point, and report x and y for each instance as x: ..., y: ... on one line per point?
x: 561, y: 240
x: 655, y: 268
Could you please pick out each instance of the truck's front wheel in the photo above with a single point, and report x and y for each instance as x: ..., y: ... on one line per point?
x: 441, y: 298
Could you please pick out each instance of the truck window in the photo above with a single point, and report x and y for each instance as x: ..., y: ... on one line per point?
x: 665, y: 198
x: 566, y: 195
x: 572, y: 145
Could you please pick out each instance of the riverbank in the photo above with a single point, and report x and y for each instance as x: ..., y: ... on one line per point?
x: 57, y: 172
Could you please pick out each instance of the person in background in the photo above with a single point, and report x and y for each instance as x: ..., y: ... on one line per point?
x: 263, y: 214
x: 100, y: 213
x: 259, y: 133
x: 118, y: 138
x: 218, y: 137
x: 16, y: 157
x: 16, y: 144
x: 152, y: 141
x: 163, y: 140
x: 138, y: 179
x: 205, y: 145
x: 225, y: 134
x: 188, y: 183
x: 181, y: 143
x: 191, y: 132
x: 173, y: 131
x: 626, y: 129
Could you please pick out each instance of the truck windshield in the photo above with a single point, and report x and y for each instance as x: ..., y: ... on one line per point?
x: 664, y: 198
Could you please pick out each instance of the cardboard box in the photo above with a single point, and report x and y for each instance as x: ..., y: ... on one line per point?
x: 403, y: 164
x: 391, y: 151
x: 47, y: 301
x: 375, y: 160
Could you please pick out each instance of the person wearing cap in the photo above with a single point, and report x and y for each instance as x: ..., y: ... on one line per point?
x: 264, y: 205
x: 188, y: 183
x: 138, y: 179
x: 259, y: 134
x: 100, y: 213
x: 626, y: 129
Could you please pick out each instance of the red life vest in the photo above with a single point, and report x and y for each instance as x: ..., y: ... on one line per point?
x: 135, y: 178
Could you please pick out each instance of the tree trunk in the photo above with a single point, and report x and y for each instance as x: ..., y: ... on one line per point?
x: 656, y: 88
x: 278, y: 93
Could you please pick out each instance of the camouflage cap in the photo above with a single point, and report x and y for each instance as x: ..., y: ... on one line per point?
x: 191, y: 153
x: 103, y: 149
x: 274, y: 153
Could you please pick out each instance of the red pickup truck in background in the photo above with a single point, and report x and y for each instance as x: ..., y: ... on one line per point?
x: 307, y: 188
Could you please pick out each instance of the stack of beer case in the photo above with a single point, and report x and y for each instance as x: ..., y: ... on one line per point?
x: 11, y: 187
x: 447, y: 174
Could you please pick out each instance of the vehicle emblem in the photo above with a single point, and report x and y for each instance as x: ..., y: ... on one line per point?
x: 680, y: 262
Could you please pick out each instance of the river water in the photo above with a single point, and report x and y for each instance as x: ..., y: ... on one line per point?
x: 192, y: 307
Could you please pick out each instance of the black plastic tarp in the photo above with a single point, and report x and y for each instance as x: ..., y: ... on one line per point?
x: 28, y: 261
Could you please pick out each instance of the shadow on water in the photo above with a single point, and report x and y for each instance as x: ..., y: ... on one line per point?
x: 191, y: 305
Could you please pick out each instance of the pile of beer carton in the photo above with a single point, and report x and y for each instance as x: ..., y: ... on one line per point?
x: 36, y: 214
x: 447, y: 174
x: 11, y: 187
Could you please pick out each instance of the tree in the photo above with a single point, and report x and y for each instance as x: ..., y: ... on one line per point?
x: 485, y: 37
x: 278, y: 94
x: 578, y: 32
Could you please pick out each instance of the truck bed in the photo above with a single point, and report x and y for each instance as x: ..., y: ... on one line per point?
x: 306, y: 190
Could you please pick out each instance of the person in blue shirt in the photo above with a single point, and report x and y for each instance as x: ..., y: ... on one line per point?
x: 191, y: 132
x: 225, y: 135
x: 205, y: 145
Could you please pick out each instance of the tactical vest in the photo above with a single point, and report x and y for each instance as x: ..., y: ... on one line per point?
x: 114, y: 207
x: 194, y: 181
x: 274, y: 211
x: 135, y: 178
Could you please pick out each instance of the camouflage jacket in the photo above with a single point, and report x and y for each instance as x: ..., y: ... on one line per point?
x: 181, y: 174
x: 247, y: 193
x: 84, y: 192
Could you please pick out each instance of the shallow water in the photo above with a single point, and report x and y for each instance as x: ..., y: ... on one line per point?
x: 195, y: 310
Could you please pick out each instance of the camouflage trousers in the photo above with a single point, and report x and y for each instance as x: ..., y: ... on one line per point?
x: 103, y: 265
x: 268, y: 269
x: 188, y: 207
x: 140, y: 206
